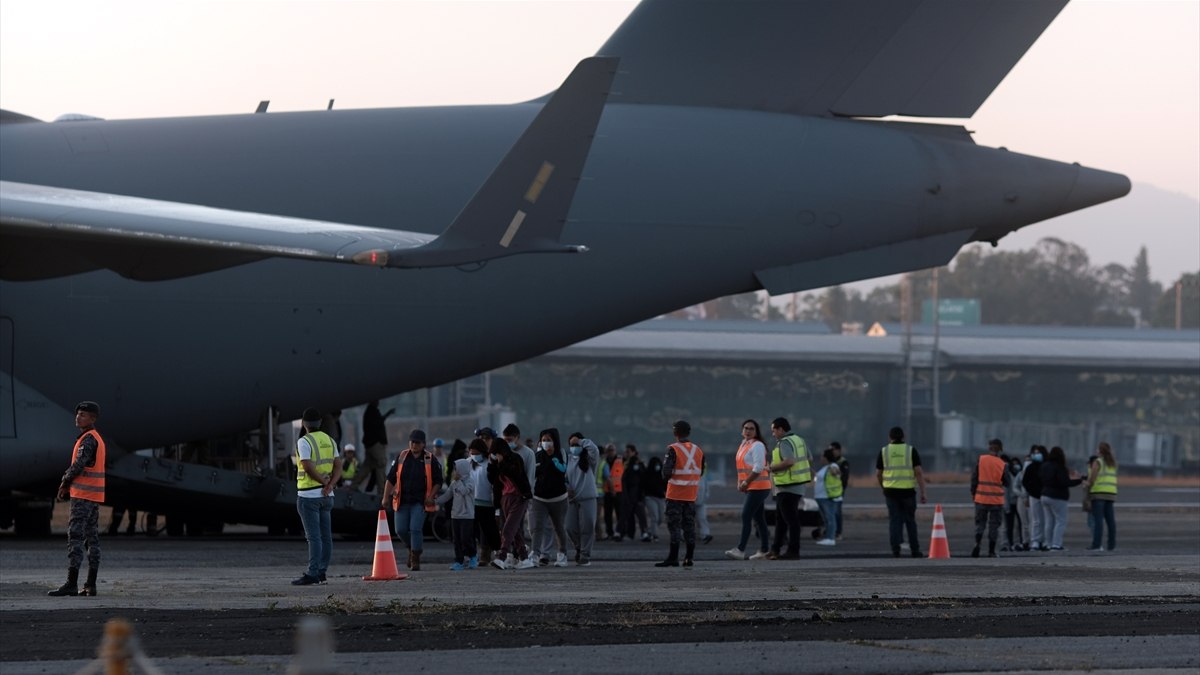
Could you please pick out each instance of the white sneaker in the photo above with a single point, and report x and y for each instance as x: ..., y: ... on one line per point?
x: 759, y: 555
x: 904, y: 546
x: 510, y: 563
x: 736, y: 554
x: 561, y: 561
x: 526, y: 564
x: 499, y: 563
x: 827, y: 542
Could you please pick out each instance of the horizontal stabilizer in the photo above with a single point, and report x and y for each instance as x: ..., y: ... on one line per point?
x: 904, y: 256
x: 51, y: 231
x: 864, y: 58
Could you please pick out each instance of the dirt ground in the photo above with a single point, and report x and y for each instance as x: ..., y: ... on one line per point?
x: 402, y: 627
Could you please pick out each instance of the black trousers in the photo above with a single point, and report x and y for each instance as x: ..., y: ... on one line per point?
x: 787, y: 523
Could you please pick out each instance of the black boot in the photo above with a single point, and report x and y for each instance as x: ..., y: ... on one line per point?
x: 672, y: 558
x: 687, y: 558
x: 89, y: 586
x: 69, y: 588
x: 975, y: 551
x: 992, y: 548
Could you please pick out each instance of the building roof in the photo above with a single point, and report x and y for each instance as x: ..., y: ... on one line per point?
x: 785, y: 342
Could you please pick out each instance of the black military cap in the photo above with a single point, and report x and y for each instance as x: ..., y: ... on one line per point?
x: 88, y: 407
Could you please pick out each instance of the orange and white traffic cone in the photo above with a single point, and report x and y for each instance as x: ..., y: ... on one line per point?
x: 939, y: 547
x: 384, y: 567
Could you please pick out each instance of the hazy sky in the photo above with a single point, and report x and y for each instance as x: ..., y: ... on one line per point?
x: 1113, y: 84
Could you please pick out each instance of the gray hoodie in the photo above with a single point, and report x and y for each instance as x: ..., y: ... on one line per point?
x: 462, y: 491
x: 582, y: 484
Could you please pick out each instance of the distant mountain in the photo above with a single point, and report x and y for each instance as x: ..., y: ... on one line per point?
x: 1166, y: 223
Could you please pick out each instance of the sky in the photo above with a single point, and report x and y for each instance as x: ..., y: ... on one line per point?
x: 1112, y: 84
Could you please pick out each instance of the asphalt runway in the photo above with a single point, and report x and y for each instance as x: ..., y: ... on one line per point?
x: 224, y: 605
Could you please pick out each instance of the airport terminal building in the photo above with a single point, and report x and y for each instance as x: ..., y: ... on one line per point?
x: 1073, y: 387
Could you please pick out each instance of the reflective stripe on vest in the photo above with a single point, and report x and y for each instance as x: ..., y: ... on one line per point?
x: 833, y: 484
x: 1106, y: 480
x: 990, y: 489
x: 429, y: 493
x: 89, y: 485
x: 350, y: 471
x: 800, y: 472
x: 323, y: 453
x: 761, y: 481
x: 615, y: 471
x: 898, y: 467
x: 684, y: 482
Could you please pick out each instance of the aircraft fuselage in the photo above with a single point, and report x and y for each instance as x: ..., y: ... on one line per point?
x: 677, y: 205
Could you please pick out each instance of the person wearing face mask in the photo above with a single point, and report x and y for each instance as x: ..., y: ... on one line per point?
x: 512, y: 436
x: 633, y: 507
x: 549, y: 506
x: 1031, y: 481
x: 507, y: 475
x: 583, y: 458
x: 1012, y: 519
x: 486, y: 529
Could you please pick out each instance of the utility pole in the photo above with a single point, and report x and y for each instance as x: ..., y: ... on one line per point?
x: 937, y: 358
x: 906, y: 318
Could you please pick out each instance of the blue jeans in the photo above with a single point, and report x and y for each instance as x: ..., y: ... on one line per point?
x: 1054, y: 515
x: 1102, y: 514
x: 410, y: 525
x: 831, y: 515
x: 754, y: 511
x: 315, y: 516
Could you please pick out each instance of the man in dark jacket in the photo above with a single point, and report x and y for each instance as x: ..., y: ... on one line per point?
x: 632, y: 503
x: 375, y: 441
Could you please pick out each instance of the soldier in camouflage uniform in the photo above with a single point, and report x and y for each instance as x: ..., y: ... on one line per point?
x: 83, y: 484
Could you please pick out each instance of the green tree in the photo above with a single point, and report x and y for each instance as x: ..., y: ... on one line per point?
x: 1188, y: 287
x: 1143, y: 291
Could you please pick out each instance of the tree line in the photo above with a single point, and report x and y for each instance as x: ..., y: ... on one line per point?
x: 1053, y: 283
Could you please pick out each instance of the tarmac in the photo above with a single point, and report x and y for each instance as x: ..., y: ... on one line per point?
x: 224, y: 605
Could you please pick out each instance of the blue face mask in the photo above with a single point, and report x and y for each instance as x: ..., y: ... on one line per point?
x: 575, y: 450
x: 478, y: 459
x: 1037, y: 457
x: 512, y: 446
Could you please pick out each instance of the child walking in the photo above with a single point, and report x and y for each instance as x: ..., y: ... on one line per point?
x: 462, y: 516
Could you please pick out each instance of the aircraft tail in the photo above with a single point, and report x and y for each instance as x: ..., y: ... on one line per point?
x: 861, y: 58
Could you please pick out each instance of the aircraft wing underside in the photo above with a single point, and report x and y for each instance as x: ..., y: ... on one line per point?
x: 521, y: 208
x: 50, y: 232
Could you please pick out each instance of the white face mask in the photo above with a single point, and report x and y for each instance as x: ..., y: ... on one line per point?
x: 548, y: 446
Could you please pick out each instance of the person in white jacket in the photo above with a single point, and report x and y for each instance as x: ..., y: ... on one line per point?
x: 583, y: 458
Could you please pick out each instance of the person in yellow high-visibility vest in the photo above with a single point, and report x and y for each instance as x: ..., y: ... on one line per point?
x: 318, y: 472
x: 791, y: 470
x: 1102, y: 488
x: 898, y: 470
x: 349, y: 463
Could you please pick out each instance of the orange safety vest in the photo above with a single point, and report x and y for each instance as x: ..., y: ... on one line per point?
x: 89, y: 485
x: 615, y: 472
x: 763, y: 480
x: 685, y: 479
x: 990, y: 489
x: 429, y: 493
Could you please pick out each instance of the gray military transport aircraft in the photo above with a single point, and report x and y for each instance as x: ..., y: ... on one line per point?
x: 187, y: 273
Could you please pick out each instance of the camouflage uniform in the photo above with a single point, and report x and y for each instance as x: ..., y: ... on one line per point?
x: 83, y: 530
